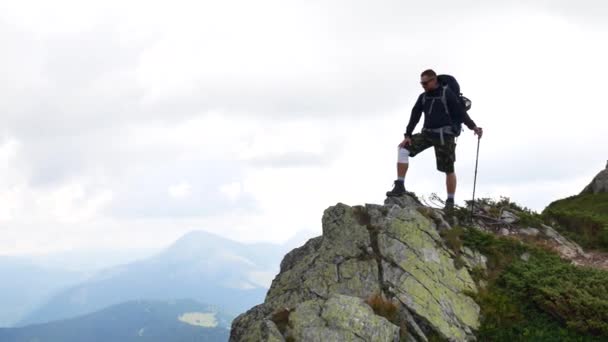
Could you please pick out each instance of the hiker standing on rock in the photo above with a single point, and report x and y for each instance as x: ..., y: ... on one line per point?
x: 444, y: 111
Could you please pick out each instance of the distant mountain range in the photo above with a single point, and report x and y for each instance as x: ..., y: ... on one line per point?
x: 203, y: 266
x: 91, y: 260
x: 178, y: 320
x: 27, y: 282
x: 25, y: 286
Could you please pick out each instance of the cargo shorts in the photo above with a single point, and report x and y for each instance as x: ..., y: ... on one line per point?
x: 445, y: 154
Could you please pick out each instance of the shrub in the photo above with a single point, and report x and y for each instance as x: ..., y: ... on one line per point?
x: 453, y: 240
x: 543, y: 299
x: 280, y: 317
x: 383, y: 307
x: 389, y: 310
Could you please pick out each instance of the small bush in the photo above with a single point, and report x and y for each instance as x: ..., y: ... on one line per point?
x: 383, y: 307
x: 530, y: 219
x: 453, y: 240
x: 386, y: 308
x: 280, y: 317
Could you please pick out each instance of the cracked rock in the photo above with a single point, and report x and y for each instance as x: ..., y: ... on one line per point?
x: 365, y: 250
x: 340, y: 318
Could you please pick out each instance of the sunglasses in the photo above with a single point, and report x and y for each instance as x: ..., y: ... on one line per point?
x: 424, y: 83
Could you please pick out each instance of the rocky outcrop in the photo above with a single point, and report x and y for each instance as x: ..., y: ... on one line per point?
x: 393, y: 250
x: 507, y: 223
x: 599, y: 184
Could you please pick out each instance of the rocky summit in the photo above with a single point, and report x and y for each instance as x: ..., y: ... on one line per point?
x: 401, y: 271
x: 377, y: 273
x: 599, y: 184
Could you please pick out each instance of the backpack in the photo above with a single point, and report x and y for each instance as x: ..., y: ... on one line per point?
x: 448, y: 81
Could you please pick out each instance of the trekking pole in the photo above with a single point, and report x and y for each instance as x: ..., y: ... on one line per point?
x: 475, y: 179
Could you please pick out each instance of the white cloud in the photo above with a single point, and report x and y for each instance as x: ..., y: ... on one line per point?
x: 232, y: 190
x: 262, y: 278
x: 259, y: 115
x: 180, y: 190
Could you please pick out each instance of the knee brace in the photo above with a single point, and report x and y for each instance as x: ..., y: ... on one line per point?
x: 403, y: 155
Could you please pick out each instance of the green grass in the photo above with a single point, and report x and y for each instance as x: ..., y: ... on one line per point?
x: 583, y: 218
x: 545, y: 298
x: 542, y: 299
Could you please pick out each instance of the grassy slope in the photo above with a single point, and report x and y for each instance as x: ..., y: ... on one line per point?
x: 542, y: 299
x: 583, y: 218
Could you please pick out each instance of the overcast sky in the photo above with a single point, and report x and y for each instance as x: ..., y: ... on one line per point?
x: 126, y: 124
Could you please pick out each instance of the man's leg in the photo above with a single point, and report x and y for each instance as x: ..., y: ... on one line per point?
x: 450, y: 182
x: 402, y: 166
x: 419, y: 143
x: 402, y: 163
x: 446, y: 156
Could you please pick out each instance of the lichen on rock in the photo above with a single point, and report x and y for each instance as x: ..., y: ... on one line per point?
x: 391, y: 249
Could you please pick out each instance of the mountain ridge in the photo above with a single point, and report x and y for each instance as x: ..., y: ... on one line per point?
x: 405, y: 271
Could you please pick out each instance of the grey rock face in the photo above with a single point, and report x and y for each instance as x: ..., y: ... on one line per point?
x: 392, y: 250
x: 565, y: 247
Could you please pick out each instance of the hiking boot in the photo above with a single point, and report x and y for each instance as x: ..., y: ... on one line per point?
x: 449, y: 206
x: 398, y: 189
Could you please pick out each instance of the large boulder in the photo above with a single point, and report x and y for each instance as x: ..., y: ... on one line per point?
x: 393, y: 250
x: 340, y: 318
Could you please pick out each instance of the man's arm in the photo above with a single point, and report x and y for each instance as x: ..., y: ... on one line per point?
x: 414, y: 117
x: 468, y: 121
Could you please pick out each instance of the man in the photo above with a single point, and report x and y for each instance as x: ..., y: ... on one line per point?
x: 437, y: 131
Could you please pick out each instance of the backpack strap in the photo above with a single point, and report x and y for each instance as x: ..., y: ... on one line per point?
x: 445, y: 101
